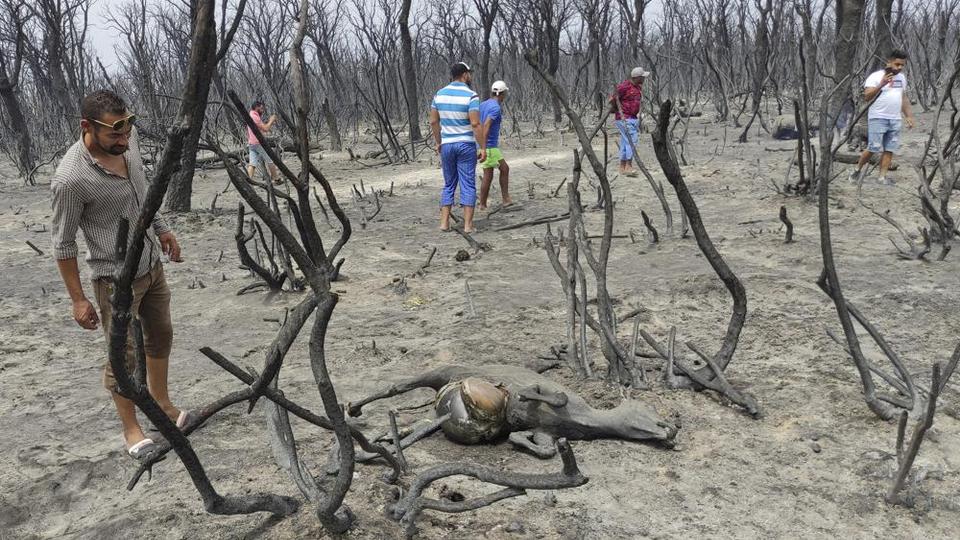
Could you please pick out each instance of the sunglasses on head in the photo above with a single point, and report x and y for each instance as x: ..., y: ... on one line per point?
x: 120, y: 124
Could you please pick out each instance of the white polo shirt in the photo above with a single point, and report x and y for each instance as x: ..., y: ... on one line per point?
x: 890, y: 103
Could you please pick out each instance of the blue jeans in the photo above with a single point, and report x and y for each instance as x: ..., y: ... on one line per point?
x: 883, y: 134
x: 459, y: 163
x: 628, y: 128
x: 258, y: 156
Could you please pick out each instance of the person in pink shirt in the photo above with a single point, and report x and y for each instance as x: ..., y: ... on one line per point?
x: 258, y: 156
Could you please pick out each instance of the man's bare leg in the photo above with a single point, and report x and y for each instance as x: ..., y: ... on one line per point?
x: 274, y: 174
x: 157, y: 371
x: 468, y: 219
x: 132, y: 433
x: 504, y: 182
x: 485, y: 186
x: 251, y: 170
x: 864, y: 159
x: 885, y: 160
x: 445, y: 218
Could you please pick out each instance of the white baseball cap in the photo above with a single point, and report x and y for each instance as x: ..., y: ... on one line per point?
x: 499, y: 87
x: 639, y: 72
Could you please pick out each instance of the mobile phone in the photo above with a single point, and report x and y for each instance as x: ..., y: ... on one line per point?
x: 889, y: 70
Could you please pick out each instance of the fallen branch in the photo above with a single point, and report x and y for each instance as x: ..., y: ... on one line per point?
x: 35, y: 248
x: 535, y: 221
x: 917, y: 252
x: 853, y: 159
x: 409, y: 507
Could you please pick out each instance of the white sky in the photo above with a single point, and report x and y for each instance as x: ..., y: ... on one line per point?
x: 104, y: 39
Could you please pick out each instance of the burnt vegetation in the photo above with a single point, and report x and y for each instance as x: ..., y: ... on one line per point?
x: 336, y: 71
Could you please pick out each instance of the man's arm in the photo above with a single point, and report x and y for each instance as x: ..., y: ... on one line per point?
x: 67, y: 208
x: 435, y: 126
x: 485, y: 129
x: 872, y: 88
x: 473, y: 113
x: 907, y: 111
x: 264, y: 127
x: 83, y: 311
x: 474, y: 116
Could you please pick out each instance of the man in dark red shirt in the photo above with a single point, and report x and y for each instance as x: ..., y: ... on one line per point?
x: 627, y: 102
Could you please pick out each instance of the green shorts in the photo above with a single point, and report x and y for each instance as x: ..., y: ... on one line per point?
x: 494, y: 157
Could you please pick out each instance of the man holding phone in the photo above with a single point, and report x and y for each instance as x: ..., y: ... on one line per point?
x: 886, y: 91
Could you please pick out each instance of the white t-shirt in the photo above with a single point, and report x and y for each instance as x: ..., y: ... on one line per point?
x: 890, y: 102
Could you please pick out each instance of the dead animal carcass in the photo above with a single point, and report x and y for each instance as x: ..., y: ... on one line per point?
x: 483, y: 403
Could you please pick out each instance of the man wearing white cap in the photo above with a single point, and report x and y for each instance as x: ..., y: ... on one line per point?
x: 490, y: 118
x: 627, y: 103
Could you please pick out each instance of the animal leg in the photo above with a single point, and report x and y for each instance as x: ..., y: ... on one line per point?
x: 535, y: 393
x: 538, y: 443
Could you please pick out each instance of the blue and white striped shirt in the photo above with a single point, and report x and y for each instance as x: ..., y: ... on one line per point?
x: 454, y: 102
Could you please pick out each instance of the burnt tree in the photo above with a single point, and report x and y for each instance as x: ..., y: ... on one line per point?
x: 11, y: 63
x: 409, y: 78
x: 181, y: 185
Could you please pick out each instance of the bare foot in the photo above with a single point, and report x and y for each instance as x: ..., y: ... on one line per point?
x: 133, y: 435
x: 172, y: 412
x: 483, y: 207
x: 507, y: 201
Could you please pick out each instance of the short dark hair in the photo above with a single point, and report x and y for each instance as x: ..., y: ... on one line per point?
x: 897, y: 54
x: 101, y: 102
x: 457, y: 70
x: 256, y: 103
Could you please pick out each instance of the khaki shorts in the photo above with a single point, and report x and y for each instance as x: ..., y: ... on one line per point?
x: 151, y: 304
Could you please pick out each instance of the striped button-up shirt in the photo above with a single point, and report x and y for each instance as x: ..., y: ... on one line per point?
x: 88, y: 196
x: 454, y: 102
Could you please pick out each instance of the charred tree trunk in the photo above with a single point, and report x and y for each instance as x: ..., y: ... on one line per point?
x: 25, y: 158
x: 181, y: 185
x: 333, y: 127
x: 8, y: 94
x: 488, y: 10
x: 409, y: 72
x: 761, y: 71
x: 883, y: 31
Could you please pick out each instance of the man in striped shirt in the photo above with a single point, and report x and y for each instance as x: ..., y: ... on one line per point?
x: 100, y: 180
x: 455, y: 119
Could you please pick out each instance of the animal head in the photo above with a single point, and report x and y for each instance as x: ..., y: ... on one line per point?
x: 637, y: 421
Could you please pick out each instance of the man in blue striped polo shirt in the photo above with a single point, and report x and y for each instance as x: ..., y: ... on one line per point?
x: 455, y: 119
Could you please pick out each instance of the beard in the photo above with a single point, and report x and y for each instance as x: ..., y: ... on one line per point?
x: 112, y: 149
x: 115, y: 150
